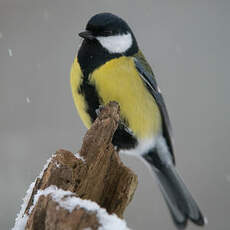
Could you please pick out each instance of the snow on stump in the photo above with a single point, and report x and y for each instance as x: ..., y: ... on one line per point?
x: 64, y: 195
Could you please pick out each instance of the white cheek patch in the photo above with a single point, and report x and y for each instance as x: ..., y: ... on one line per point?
x: 117, y: 43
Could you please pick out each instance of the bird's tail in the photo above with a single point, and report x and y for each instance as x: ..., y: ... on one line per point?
x: 180, y: 202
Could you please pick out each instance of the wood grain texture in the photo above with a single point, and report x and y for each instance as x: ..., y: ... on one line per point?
x: 100, y: 177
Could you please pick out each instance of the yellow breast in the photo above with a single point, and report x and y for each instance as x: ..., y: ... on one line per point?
x: 76, y: 78
x: 118, y: 80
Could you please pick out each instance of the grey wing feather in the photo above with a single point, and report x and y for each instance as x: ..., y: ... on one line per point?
x: 150, y: 82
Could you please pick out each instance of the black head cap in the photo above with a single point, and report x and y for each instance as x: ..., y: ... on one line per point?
x: 107, y: 24
x: 94, y: 52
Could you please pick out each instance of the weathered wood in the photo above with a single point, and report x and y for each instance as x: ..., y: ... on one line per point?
x: 48, y: 215
x: 98, y: 176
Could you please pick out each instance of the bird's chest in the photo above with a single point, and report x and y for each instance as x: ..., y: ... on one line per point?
x: 118, y: 80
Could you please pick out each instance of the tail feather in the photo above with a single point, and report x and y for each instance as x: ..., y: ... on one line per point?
x: 180, y: 202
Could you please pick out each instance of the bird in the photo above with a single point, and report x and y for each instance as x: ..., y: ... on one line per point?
x: 109, y: 66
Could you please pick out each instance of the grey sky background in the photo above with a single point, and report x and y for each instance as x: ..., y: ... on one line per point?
x: 186, y: 43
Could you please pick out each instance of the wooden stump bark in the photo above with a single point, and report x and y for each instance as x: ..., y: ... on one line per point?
x: 96, y: 173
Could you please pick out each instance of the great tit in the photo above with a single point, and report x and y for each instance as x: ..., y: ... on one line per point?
x: 110, y: 67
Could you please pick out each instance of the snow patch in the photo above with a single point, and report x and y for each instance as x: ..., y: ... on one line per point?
x: 21, y: 218
x: 68, y: 201
x: 78, y: 156
x: 57, y: 165
x: 45, y: 166
x: 21, y: 224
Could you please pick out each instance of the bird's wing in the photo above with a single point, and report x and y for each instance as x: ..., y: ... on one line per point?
x: 149, y: 79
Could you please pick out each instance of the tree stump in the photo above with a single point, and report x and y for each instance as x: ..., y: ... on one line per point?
x: 95, y: 174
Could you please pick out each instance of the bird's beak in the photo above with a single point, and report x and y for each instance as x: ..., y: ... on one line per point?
x: 87, y: 35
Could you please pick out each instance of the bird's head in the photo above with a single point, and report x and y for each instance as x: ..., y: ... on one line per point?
x: 110, y: 32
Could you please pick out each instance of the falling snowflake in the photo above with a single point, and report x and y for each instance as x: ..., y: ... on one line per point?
x: 10, y: 52
x: 28, y: 100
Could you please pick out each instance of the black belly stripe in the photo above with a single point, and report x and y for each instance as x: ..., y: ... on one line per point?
x: 121, y: 139
x: 91, y: 97
x: 124, y: 140
x: 91, y: 56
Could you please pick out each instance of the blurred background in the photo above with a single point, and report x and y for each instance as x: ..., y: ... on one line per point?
x: 187, y: 44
